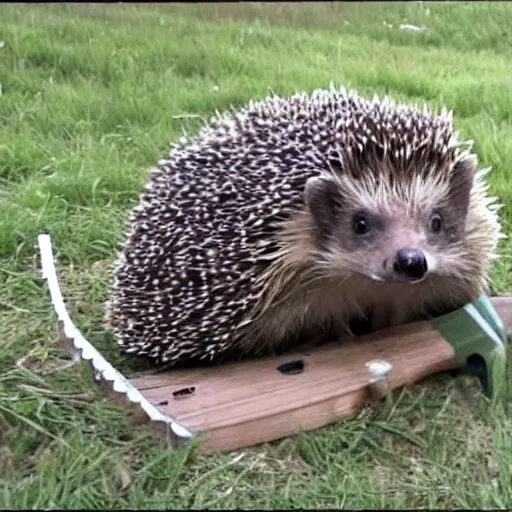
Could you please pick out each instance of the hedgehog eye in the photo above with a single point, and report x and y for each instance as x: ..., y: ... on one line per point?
x: 436, y: 223
x: 360, y: 224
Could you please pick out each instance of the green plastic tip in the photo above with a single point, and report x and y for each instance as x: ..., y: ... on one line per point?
x: 477, y: 334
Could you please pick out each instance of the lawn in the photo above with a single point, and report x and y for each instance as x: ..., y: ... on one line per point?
x: 91, y: 96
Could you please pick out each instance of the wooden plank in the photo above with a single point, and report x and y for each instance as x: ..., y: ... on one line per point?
x: 503, y: 306
x: 252, y: 402
x: 247, y: 403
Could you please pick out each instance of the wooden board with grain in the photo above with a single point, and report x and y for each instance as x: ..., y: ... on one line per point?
x: 252, y: 402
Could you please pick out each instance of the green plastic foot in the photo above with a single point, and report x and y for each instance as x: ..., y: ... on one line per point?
x: 477, y: 334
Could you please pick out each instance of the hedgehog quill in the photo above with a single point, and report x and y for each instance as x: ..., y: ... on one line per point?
x: 293, y: 218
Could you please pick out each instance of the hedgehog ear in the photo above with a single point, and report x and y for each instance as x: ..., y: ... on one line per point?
x: 322, y: 197
x: 461, y: 182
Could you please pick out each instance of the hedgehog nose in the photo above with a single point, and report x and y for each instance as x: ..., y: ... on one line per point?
x: 410, y: 263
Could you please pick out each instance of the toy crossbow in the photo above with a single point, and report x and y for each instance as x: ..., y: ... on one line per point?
x: 246, y: 403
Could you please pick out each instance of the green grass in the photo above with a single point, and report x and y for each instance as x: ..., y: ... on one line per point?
x: 91, y: 97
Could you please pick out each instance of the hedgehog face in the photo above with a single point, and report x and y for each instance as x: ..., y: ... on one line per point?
x: 392, y: 232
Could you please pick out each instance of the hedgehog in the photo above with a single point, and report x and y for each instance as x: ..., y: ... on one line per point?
x: 297, y: 219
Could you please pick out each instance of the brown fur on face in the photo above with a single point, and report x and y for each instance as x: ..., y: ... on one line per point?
x: 339, y: 204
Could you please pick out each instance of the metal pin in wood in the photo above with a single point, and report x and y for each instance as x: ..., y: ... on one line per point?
x: 379, y: 384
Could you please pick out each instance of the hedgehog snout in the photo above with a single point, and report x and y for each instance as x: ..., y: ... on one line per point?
x: 410, y: 264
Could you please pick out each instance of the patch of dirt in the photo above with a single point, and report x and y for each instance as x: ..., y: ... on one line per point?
x: 45, y: 365
x: 407, y: 449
